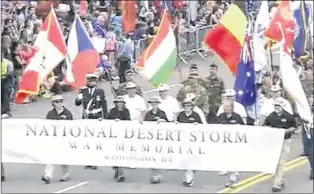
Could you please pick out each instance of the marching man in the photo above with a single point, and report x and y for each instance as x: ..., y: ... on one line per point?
x: 93, y: 101
x: 59, y: 112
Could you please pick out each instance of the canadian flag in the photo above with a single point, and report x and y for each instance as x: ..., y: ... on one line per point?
x: 51, y: 50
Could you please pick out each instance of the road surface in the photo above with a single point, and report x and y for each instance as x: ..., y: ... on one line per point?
x: 26, y: 178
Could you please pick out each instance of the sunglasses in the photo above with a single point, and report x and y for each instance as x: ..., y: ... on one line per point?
x: 58, y: 101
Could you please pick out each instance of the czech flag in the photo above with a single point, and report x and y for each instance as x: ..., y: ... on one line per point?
x: 82, y: 58
x: 226, y: 38
x: 50, y: 51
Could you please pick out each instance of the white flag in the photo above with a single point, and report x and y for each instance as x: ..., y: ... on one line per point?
x: 259, y: 40
x: 292, y: 83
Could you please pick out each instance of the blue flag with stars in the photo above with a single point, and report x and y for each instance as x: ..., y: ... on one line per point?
x: 245, y: 76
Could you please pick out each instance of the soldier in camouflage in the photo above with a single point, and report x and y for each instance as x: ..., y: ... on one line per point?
x: 194, y: 70
x: 214, y: 86
x: 194, y: 87
x: 121, y: 91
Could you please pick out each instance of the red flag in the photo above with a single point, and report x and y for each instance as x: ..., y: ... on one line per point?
x: 83, y: 8
x: 284, y: 17
x: 128, y: 16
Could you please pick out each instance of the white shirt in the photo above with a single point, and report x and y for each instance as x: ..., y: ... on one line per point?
x: 136, y: 105
x: 268, y: 107
x: 170, y: 106
x: 237, y: 108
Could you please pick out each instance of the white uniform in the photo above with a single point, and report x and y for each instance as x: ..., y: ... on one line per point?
x: 170, y: 106
x: 268, y: 107
x: 136, y: 105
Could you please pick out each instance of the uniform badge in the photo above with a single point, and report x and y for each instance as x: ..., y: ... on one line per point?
x: 283, y: 120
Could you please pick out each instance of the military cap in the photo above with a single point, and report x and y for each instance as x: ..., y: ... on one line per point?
x: 229, y: 93
x: 130, y: 85
x: 193, y: 75
x: 154, y: 99
x: 91, y: 76
x: 193, y: 66
x: 163, y: 87
x: 119, y: 99
x: 213, y: 65
x: 56, y: 97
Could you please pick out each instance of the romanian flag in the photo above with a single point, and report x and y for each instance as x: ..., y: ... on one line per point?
x: 128, y: 16
x: 226, y: 38
x: 284, y: 17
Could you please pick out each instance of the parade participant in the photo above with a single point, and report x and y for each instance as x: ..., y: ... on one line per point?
x: 7, y: 70
x: 280, y: 118
x: 93, y: 101
x: 119, y: 112
x: 237, y: 107
x: 303, y: 132
x: 134, y: 103
x: 308, y: 137
x: 167, y: 103
x: 268, y: 105
x: 59, y: 112
x: 229, y: 116
x: 193, y: 86
x: 214, y: 86
x: 122, y: 87
x: 192, y: 97
x: 194, y: 70
x: 155, y: 114
x: 188, y: 116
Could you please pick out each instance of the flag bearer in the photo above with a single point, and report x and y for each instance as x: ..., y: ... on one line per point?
x: 188, y: 116
x: 308, y: 139
x: 59, y: 112
x: 229, y: 116
x: 155, y: 114
x: 93, y: 101
x: 119, y: 112
x: 280, y: 118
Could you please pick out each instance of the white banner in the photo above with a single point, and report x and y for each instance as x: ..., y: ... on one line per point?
x: 147, y: 145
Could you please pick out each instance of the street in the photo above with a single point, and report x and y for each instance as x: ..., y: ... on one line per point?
x: 26, y: 178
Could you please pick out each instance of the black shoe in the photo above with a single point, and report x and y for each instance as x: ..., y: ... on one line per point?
x: 120, y: 179
x: 115, y: 173
x: 2, y: 178
x: 91, y: 167
x: 311, y: 175
x: 46, y: 179
x: 304, y: 154
x: 188, y: 184
x: 276, y: 188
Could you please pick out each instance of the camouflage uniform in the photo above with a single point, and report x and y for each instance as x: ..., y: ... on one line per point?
x: 121, y: 91
x: 214, y: 86
x: 201, y: 99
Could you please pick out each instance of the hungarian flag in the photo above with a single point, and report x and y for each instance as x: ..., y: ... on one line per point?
x: 159, y: 59
x: 128, y: 16
x: 284, y: 17
x: 51, y: 50
x: 226, y: 38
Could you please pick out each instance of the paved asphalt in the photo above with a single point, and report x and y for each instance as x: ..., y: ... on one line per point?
x: 26, y: 178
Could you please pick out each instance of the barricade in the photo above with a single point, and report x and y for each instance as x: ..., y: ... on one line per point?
x: 189, y: 42
x: 201, y: 47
